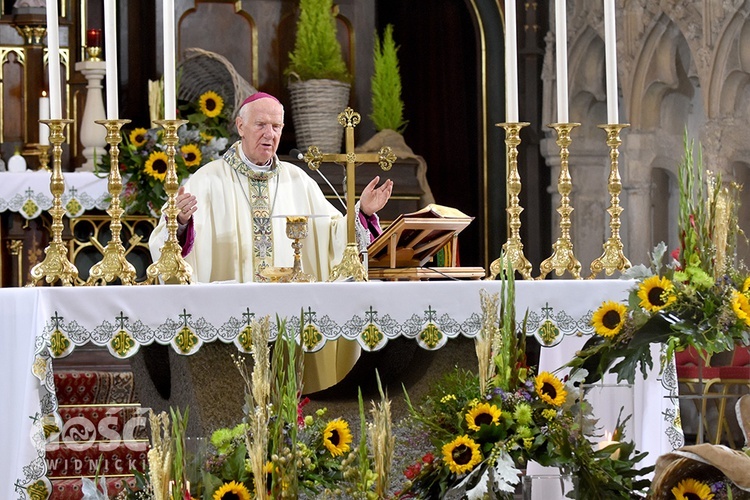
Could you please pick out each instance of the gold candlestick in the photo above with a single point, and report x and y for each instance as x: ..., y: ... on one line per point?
x: 170, y: 263
x: 562, y: 258
x: 113, y: 265
x: 56, y: 264
x: 44, y: 157
x: 296, y: 230
x: 612, y: 259
x: 513, y: 248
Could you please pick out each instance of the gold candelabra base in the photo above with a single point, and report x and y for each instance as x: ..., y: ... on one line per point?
x: 612, y: 259
x: 56, y: 264
x: 170, y: 264
x: 513, y: 248
x: 113, y: 265
x: 350, y: 266
x: 563, y: 259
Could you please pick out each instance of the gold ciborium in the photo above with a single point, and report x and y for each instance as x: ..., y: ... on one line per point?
x: 296, y: 230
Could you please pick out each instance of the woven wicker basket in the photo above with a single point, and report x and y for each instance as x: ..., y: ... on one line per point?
x: 202, y: 71
x: 316, y: 105
x: 679, y: 469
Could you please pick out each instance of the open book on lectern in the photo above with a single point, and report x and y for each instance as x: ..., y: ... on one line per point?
x: 412, y: 239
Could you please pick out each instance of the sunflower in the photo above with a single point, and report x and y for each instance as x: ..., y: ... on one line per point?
x: 138, y: 137
x: 746, y: 284
x: 461, y: 454
x: 741, y: 307
x: 192, y: 155
x: 656, y: 293
x: 483, y: 414
x: 232, y: 491
x: 609, y: 319
x: 211, y: 104
x: 550, y: 389
x: 690, y: 489
x: 337, y: 436
x: 156, y: 165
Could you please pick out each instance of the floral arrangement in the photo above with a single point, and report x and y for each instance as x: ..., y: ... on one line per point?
x: 487, y: 427
x: 693, y: 297
x: 276, y: 451
x: 718, y: 489
x: 143, y: 158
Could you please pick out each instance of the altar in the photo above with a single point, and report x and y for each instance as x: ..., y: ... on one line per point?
x: 43, y: 323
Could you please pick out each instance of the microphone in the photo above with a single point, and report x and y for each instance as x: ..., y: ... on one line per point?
x: 296, y: 153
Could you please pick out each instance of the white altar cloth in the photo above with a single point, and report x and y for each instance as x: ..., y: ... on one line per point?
x: 38, y: 323
x: 28, y: 193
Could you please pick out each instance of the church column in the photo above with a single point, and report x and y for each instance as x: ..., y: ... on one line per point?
x: 637, y: 150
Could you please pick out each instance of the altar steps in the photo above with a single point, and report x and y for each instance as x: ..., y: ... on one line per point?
x: 103, y: 426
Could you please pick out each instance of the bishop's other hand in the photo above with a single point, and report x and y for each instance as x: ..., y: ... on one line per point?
x: 374, y: 197
x: 187, y: 205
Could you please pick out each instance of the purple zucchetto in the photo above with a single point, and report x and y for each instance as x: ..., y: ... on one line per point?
x: 258, y: 95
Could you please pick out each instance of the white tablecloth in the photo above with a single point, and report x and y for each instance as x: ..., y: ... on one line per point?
x: 28, y: 193
x: 39, y: 321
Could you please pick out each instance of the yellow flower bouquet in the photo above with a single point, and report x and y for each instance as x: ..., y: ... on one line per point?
x: 143, y: 158
x: 694, y: 297
x: 487, y: 426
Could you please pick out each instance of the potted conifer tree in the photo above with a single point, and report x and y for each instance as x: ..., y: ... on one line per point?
x: 319, y: 80
x: 388, y: 110
x: 387, y: 105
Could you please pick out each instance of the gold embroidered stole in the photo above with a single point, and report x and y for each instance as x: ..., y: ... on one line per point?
x: 260, y: 209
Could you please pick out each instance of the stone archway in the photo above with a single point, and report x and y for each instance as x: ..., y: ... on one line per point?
x: 681, y: 65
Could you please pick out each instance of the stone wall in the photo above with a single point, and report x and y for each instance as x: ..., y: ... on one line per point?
x: 682, y: 65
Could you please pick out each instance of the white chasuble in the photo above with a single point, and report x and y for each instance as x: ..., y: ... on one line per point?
x: 240, y: 228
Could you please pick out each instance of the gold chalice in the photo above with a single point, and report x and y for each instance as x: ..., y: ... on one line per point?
x: 296, y: 230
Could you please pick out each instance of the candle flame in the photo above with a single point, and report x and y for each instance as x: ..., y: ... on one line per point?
x: 44, y: 93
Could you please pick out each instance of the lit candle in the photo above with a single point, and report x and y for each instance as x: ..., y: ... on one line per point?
x: 94, y: 37
x: 110, y: 51
x: 608, y: 442
x: 511, y: 63
x: 610, y: 53
x: 561, y: 53
x: 43, y: 115
x: 53, y: 61
x: 170, y: 102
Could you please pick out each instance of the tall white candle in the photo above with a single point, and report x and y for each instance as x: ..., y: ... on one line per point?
x: 53, y: 61
x: 43, y: 115
x: 110, y: 52
x: 561, y: 52
x: 170, y: 101
x: 610, y: 54
x: 511, y: 63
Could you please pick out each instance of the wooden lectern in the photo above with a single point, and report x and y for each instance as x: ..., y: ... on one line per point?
x: 411, y: 241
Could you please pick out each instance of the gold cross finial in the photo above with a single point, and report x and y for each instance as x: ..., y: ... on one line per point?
x: 350, y: 265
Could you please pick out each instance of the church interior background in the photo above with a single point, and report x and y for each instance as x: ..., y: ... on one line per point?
x: 683, y: 67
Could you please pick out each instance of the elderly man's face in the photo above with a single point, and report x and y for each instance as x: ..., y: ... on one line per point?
x: 259, y: 125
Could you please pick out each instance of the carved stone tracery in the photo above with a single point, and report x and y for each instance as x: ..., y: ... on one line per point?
x: 681, y: 63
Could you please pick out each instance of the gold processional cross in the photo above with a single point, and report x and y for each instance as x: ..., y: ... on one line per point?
x: 350, y: 266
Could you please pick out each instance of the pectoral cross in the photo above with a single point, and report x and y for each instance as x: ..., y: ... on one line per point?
x: 350, y: 265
